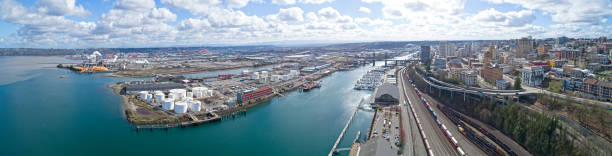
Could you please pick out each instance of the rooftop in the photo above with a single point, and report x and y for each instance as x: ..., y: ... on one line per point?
x: 387, y: 88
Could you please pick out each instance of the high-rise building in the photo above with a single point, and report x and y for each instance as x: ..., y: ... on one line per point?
x: 443, y: 49
x: 603, y: 40
x: 490, y: 54
x: 451, y: 50
x: 425, y: 52
x: 524, y: 47
x: 467, y: 49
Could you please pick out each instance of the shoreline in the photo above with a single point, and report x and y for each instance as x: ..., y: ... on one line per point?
x: 129, y: 110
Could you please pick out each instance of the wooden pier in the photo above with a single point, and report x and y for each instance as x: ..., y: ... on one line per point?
x: 333, y: 150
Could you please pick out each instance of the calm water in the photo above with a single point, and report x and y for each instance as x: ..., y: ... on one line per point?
x: 45, y: 115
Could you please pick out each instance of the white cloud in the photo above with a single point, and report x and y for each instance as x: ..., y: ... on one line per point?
x: 417, y: 9
x: 61, y: 8
x: 370, y: 22
x: 569, y: 11
x: 140, y: 23
x: 293, y: 14
x: 365, y: 10
x: 135, y: 5
x: 236, y: 3
x: 283, y: 2
x: 194, y: 6
x: 194, y: 24
x: 315, y: 1
x: 227, y: 18
x: 38, y: 29
x: 311, y: 16
x: 329, y: 13
x: 512, y: 18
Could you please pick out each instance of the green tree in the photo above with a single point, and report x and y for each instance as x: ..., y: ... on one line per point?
x: 517, y: 83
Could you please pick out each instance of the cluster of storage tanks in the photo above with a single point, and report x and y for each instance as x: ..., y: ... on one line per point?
x: 263, y: 76
x: 179, y: 100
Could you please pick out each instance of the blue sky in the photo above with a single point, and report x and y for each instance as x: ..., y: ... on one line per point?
x: 154, y: 23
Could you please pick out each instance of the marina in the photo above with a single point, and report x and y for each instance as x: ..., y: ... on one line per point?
x: 371, y: 79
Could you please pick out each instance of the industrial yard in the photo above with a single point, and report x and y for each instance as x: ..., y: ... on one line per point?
x: 180, y: 101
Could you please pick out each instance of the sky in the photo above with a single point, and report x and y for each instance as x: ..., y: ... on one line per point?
x: 164, y: 23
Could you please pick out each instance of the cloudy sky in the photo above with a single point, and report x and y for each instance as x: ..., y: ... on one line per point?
x: 155, y: 23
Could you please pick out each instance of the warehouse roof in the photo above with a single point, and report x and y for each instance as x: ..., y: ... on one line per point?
x: 387, y: 88
x: 147, y: 87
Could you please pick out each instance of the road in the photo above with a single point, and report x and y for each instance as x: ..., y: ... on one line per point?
x: 546, y: 92
x: 434, y: 135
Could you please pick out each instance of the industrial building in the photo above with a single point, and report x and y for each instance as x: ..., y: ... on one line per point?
x: 250, y: 95
x: 386, y: 95
x: 132, y: 89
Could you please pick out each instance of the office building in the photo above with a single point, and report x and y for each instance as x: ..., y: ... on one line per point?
x: 425, y: 53
x: 443, y: 49
x: 524, y: 47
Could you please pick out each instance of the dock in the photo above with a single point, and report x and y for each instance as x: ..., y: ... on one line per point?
x: 331, y: 152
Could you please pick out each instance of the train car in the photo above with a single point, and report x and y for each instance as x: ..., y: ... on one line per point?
x: 461, y: 152
x: 455, y: 143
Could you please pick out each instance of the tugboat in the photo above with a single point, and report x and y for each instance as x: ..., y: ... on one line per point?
x: 308, y: 86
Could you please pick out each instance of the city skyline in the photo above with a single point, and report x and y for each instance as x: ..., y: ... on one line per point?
x: 163, y: 23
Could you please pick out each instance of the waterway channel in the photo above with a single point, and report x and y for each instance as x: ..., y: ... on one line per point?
x: 43, y: 114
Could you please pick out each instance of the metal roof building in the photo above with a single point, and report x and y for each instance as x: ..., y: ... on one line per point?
x: 386, y: 94
x: 152, y: 87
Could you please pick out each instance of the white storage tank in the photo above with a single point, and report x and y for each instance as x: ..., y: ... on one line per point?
x: 168, y: 104
x: 149, y: 98
x: 180, y: 107
x: 143, y: 95
x: 171, y: 96
x: 263, y: 74
x: 159, y: 97
x: 255, y: 76
x: 179, y: 93
x: 183, y: 93
x: 209, y: 93
x: 158, y: 92
x: 294, y: 73
x: 195, y: 106
x: 197, y: 91
x: 274, y: 78
x: 286, y: 77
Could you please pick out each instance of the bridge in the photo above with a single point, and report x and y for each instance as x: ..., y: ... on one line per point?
x: 398, y: 61
x: 440, y: 86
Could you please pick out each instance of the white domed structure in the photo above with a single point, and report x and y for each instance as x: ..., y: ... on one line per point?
x: 159, y: 97
x: 168, y: 104
x: 195, y: 106
x: 180, y: 107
